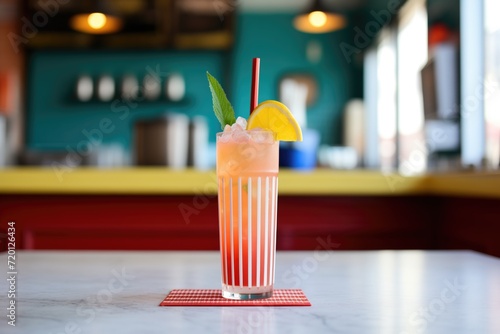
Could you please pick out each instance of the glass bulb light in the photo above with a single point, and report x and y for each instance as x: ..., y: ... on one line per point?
x: 97, y: 20
x: 317, y: 18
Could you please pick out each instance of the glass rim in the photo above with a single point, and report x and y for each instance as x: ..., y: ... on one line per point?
x: 220, y: 133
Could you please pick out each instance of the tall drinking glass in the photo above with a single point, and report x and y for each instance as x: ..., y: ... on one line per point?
x: 247, y: 171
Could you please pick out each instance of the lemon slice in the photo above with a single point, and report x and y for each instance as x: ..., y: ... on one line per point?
x: 275, y: 116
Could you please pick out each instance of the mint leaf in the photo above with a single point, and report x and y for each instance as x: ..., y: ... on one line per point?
x: 222, y: 107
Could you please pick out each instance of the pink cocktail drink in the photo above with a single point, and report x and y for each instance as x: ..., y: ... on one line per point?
x: 247, y: 171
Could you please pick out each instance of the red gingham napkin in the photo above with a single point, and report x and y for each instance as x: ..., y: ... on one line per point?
x: 213, y: 297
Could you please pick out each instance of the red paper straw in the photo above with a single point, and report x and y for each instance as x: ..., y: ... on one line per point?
x: 254, y: 94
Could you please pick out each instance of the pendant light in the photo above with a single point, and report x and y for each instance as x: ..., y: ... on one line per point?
x: 316, y: 20
x: 98, y: 21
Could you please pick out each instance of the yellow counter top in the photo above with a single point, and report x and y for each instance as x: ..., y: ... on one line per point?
x: 164, y: 181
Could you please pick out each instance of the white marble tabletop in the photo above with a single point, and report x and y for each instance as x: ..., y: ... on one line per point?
x: 351, y: 292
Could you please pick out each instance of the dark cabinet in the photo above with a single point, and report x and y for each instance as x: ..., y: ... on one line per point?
x: 177, y: 222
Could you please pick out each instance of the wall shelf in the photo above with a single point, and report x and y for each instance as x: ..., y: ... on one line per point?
x: 75, y: 104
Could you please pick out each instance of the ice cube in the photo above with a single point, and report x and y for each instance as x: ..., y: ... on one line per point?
x: 242, y: 122
x: 227, y: 128
x: 225, y: 137
x: 261, y: 136
x: 237, y: 127
x: 241, y: 136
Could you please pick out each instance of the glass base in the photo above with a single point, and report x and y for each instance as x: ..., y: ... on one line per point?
x: 246, y: 296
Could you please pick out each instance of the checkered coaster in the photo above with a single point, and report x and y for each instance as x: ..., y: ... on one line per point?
x: 213, y: 297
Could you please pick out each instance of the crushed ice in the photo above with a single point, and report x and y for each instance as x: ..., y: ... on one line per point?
x: 237, y: 132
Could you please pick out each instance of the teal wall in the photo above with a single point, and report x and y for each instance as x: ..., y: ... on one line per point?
x: 55, y: 119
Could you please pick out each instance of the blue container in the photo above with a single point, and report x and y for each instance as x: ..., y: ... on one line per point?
x: 300, y: 154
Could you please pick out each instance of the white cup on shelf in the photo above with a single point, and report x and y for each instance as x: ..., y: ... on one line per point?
x: 175, y: 87
x: 130, y: 87
x: 84, y: 88
x: 105, y: 88
x: 151, y: 87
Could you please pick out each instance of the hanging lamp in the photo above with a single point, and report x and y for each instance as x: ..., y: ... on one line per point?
x: 317, y: 19
x: 98, y: 21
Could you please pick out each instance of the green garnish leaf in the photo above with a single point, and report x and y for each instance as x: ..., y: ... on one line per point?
x: 222, y: 107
